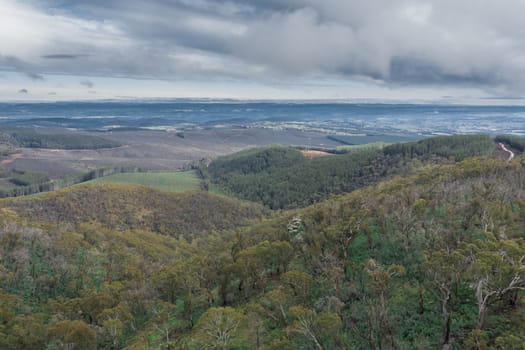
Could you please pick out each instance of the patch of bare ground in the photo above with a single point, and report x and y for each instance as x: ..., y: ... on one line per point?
x: 314, y: 153
x: 12, y: 158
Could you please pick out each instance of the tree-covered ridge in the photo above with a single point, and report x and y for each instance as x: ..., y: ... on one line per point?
x: 282, y: 178
x: 456, y: 231
x: 405, y: 265
x: 420, y: 262
x: 455, y: 147
x: 304, y: 181
x: 122, y: 207
x: 254, y: 161
x: 26, y: 137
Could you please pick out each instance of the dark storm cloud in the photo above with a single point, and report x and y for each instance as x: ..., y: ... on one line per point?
x: 405, y: 42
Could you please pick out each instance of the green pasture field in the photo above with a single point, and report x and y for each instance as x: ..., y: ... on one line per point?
x: 372, y: 145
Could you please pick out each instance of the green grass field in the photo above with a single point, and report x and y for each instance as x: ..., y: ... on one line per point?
x: 172, y: 182
x: 372, y: 145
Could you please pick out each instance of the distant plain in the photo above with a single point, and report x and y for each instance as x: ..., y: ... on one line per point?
x: 168, y: 135
x: 160, y: 150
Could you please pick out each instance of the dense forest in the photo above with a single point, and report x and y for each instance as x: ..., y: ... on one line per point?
x: 16, y: 183
x: 28, y: 137
x: 122, y: 207
x: 434, y: 259
x: 282, y: 178
x: 12, y: 178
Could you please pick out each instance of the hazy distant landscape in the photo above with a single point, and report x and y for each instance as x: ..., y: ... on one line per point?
x: 169, y: 135
x: 327, y: 117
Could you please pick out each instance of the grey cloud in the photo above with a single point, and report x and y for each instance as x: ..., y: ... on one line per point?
x: 405, y: 42
x: 10, y: 62
x: 35, y: 76
x: 23, y: 91
x: 87, y: 83
x: 63, y: 56
x: 503, y: 98
x: 410, y: 70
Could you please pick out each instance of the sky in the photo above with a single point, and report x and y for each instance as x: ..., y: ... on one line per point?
x: 450, y: 51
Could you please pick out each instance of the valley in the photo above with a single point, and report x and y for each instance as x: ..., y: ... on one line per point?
x: 380, y: 247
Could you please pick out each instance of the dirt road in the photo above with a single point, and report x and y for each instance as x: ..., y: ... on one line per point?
x: 511, y: 154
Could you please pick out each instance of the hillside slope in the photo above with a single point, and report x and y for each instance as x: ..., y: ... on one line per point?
x: 32, y: 138
x: 433, y: 260
x: 282, y: 178
x: 126, y: 207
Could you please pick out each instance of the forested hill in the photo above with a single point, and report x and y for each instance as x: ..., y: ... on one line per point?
x: 434, y: 260
x: 283, y: 178
x: 127, y: 207
x: 31, y: 138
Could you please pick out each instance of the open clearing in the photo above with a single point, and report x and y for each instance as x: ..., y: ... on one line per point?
x: 314, y: 153
x: 160, y: 151
x: 372, y: 145
x: 172, y: 182
x: 12, y: 158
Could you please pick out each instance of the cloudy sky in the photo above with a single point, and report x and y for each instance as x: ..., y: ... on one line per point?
x: 402, y: 50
